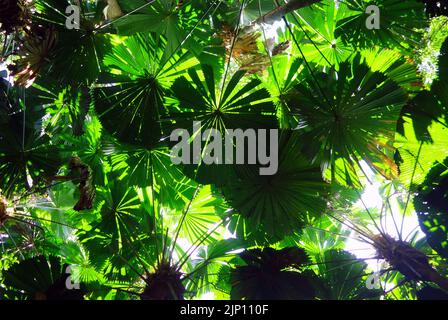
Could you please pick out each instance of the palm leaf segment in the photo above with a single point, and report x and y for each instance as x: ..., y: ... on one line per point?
x: 86, y: 47
x: 239, y: 104
x: 129, y: 98
x: 264, y: 275
x: 431, y: 204
x: 399, y: 24
x: 274, y: 206
x: 343, y: 277
x: 27, y: 157
x: 324, y: 45
x: 231, y: 106
x: 122, y: 220
x: 421, y: 134
x: 353, y: 114
x: 39, y: 278
x: 167, y: 19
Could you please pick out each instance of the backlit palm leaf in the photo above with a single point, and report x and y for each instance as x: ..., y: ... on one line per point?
x: 353, y: 114
x: 129, y: 99
x: 239, y: 104
x: 399, y: 24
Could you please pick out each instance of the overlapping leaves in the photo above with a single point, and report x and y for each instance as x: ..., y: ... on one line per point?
x: 431, y: 204
x: 238, y: 104
x: 129, y: 98
x: 353, y: 114
x: 399, y: 21
x: 265, y: 275
x: 272, y: 206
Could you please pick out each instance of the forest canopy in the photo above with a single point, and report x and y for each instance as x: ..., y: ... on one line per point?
x: 337, y: 187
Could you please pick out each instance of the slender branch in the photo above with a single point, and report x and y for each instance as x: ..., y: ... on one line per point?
x: 283, y: 10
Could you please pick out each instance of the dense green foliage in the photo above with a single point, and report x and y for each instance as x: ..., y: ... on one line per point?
x: 92, y: 206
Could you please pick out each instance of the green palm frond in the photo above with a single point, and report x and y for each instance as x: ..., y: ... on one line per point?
x: 204, y: 271
x: 400, y: 24
x: 353, y: 114
x: 270, y: 207
x: 238, y: 104
x: 28, y: 158
x: 153, y: 170
x: 39, y: 278
x: 224, y: 149
x: 432, y: 206
x: 265, y: 276
x: 322, y: 45
x: 122, y: 221
x: 344, y: 277
x: 204, y: 213
x: 129, y: 98
x: 86, y: 47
